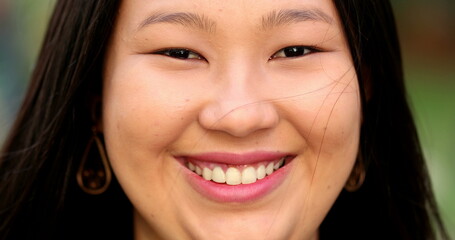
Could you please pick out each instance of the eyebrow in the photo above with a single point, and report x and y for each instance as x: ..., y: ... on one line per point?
x: 270, y: 20
x: 286, y: 16
x: 186, y: 19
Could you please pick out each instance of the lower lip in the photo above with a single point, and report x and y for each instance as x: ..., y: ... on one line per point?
x: 237, y: 193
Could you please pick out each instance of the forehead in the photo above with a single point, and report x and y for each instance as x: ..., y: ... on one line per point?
x: 211, y: 15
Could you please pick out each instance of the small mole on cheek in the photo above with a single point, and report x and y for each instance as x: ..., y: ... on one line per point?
x: 328, y: 187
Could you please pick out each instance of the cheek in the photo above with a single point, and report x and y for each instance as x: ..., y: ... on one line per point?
x: 144, y: 112
x: 328, y: 119
x: 143, y: 109
x: 324, y: 104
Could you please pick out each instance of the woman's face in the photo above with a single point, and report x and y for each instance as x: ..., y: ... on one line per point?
x: 230, y: 119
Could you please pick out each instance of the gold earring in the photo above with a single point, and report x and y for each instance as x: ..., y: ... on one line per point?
x: 357, y: 177
x: 94, y: 176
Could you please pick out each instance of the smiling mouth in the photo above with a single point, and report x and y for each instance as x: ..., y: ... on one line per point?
x: 236, y: 174
x: 235, y: 178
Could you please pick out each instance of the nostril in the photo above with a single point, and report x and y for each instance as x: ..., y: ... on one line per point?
x: 239, y: 121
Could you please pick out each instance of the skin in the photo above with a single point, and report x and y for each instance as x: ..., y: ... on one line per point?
x: 241, y: 95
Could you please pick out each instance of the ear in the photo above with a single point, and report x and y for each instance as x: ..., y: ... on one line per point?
x: 96, y: 113
x: 357, y: 177
x: 367, y: 82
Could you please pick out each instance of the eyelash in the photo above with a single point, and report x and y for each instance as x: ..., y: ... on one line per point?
x: 287, y: 52
x: 294, y: 51
x: 180, y: 53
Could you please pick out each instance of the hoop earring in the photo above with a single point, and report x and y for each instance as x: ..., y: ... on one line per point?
x: 94, y: 176
x: 357, y: 177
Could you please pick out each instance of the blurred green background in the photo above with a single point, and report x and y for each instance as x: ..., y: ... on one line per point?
x: 427, y: 35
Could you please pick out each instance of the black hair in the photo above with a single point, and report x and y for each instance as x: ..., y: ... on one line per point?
x: 39, y: 196
x: 396, y: 201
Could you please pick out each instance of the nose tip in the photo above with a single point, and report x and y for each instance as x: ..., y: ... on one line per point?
x: 239, y: 120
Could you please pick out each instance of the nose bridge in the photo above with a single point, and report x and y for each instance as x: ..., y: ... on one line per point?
x: 240, y: 106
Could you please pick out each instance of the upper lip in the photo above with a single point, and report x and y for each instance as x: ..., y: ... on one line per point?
x: 237, y: 158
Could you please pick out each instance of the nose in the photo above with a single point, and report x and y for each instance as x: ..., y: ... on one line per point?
x: 239, y: 109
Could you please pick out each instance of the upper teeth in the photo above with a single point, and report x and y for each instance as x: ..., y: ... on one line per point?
x: 234, y: 176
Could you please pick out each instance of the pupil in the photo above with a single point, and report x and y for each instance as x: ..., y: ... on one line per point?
x: 293, y: 51
x: 179, y: 53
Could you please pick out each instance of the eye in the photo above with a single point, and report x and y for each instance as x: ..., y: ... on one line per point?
x: 180, y: 53
x: 293, y: 51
